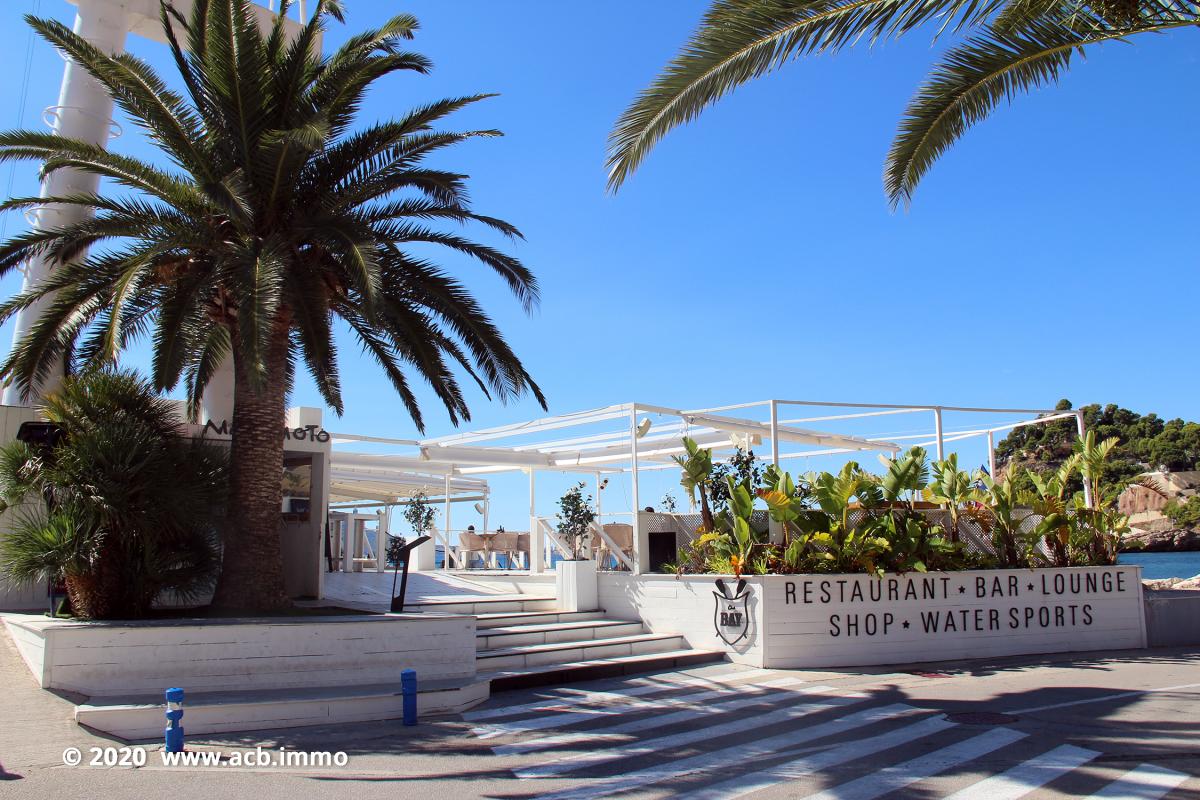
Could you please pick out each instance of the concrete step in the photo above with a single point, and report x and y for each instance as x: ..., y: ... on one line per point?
x: 534, y: 655
x: 595, y: 669
x: 507, y: 636
x: 508, y: 619
x: 134, y: 718
x: 484, y: 604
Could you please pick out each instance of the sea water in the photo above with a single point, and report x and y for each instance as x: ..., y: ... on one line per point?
x: 1157, y: 566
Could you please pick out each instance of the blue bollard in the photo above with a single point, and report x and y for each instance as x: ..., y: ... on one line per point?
x: 174, y: 730
x: 408, y: 688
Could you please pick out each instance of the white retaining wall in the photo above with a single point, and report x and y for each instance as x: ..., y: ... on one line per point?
x: 131, y: 658
x: 803, y: 621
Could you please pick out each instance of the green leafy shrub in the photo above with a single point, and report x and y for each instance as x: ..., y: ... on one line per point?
x: 1185, y: 514
x: 124, y: 508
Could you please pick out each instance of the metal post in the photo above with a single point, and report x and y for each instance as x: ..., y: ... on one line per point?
x: 937, y: 425
x: 992, y: 454
x: 775, y: 433
x: 640, y: 556
x: 348, y: 544
x: 173, y: 734
x: 408, y: 691
x: 536, y: 567
x: 446, y: 523
x: 84, y: 111
x: 1081, y: 427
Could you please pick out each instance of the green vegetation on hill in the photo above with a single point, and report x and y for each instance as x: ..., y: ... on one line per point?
x: 1146, y: 443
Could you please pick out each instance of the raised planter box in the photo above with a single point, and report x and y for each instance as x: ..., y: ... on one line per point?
x: 575, y: 585
x: 805, y: 621
x: 102, y: 659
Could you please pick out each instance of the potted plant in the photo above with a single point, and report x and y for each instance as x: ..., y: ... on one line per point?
x: 575, y: 576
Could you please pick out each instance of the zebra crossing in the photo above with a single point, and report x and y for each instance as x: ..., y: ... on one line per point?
x: 730, y: 733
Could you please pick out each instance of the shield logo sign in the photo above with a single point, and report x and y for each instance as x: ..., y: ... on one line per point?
x: 731, y: 616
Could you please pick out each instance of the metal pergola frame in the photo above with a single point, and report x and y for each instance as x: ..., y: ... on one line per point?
x: 628, y: 447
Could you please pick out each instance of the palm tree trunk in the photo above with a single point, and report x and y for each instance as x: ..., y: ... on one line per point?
x: 252, y: 562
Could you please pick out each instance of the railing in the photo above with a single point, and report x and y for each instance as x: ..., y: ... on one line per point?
x: 612, y: 546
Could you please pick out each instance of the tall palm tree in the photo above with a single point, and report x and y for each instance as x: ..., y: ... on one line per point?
x: 276, y: 216
x: 1009, y: 47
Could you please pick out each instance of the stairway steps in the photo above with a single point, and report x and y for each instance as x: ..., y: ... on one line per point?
x: 595, y: 669
x: 547, y: 633
x: 483, y: 604
x: 534, y: 655
x: 510, y: 619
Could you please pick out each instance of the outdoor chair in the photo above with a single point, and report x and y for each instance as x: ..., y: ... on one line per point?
x: 622, y: 536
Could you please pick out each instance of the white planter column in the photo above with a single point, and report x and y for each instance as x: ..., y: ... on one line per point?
x: 536, y: 549
x: 84, y: 112
x: 575, y: 585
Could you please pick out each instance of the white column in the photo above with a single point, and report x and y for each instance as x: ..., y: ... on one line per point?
x: 775, y: 530
x: 1081, y: 427
x: 348, y: 543
x: 641, y: 552
x: 446, y: 522
x: 536, y: 565
x: 381, y: 539
x: 775, y: 433
x: 937, y: 426
x: 84, y: 112
x: 992, y: 454
x: 216, y: 404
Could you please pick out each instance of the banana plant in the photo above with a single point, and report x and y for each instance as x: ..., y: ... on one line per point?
x: 953, y: 488
x: 1002, y: 518
x: 788, y: 504
x: 697, y: 469
x: 906, y: 476
x: 846, y: 546
x: 1051, y: 502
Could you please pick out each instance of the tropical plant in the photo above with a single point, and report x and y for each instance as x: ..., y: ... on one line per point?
x: 842, y: 544
x: 1004, y: 516
x: 419, y: 513
x: 124, y: 508
x: 280, y: 213
x: 1009, y: 47
x: 954, y: 489
x: 915, y: 542
x: 575, y: 518
x: 668, y: 503
x: 697, y: 467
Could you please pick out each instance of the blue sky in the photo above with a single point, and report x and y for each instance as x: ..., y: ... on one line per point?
x: 1052, y: 253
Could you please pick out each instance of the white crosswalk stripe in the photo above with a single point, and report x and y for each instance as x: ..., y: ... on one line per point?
x: 1024, y: 778
x: 637, y: 688
x: 1147, y: 782
x: 696, y: 734
x: 917, y: 769
x: 830, y: 757
x: 555, y: 719
x: 700, y: 738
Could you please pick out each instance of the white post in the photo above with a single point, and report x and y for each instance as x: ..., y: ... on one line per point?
x: 348, y: 544
x: 84, y: 112
x: 775, y: 433
x: 381, y: 539
x: 937, y: 425
x: 599, y: 506
x: 446, y: 522
x: 641, y: 555
x: 992, y: 454
x: 536, y: 567
x: 1081, y: 427
x: 775, y: 529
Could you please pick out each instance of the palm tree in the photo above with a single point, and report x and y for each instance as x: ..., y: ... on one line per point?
x: 277, y: 216
x: 1010, y: 47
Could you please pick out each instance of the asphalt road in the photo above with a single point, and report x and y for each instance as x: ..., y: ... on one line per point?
x: 1111, y: 725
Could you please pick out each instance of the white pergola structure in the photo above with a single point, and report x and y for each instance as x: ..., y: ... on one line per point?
x: 366, y: 480
x: 632, y: 438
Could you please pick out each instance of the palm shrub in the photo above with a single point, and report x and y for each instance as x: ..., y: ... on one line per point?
x: 279, y: 214
x: 124, y: 508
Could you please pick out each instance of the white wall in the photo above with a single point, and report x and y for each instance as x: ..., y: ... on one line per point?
x: 114, y: 659
x: 803, y: 621
x: 683, y: 606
